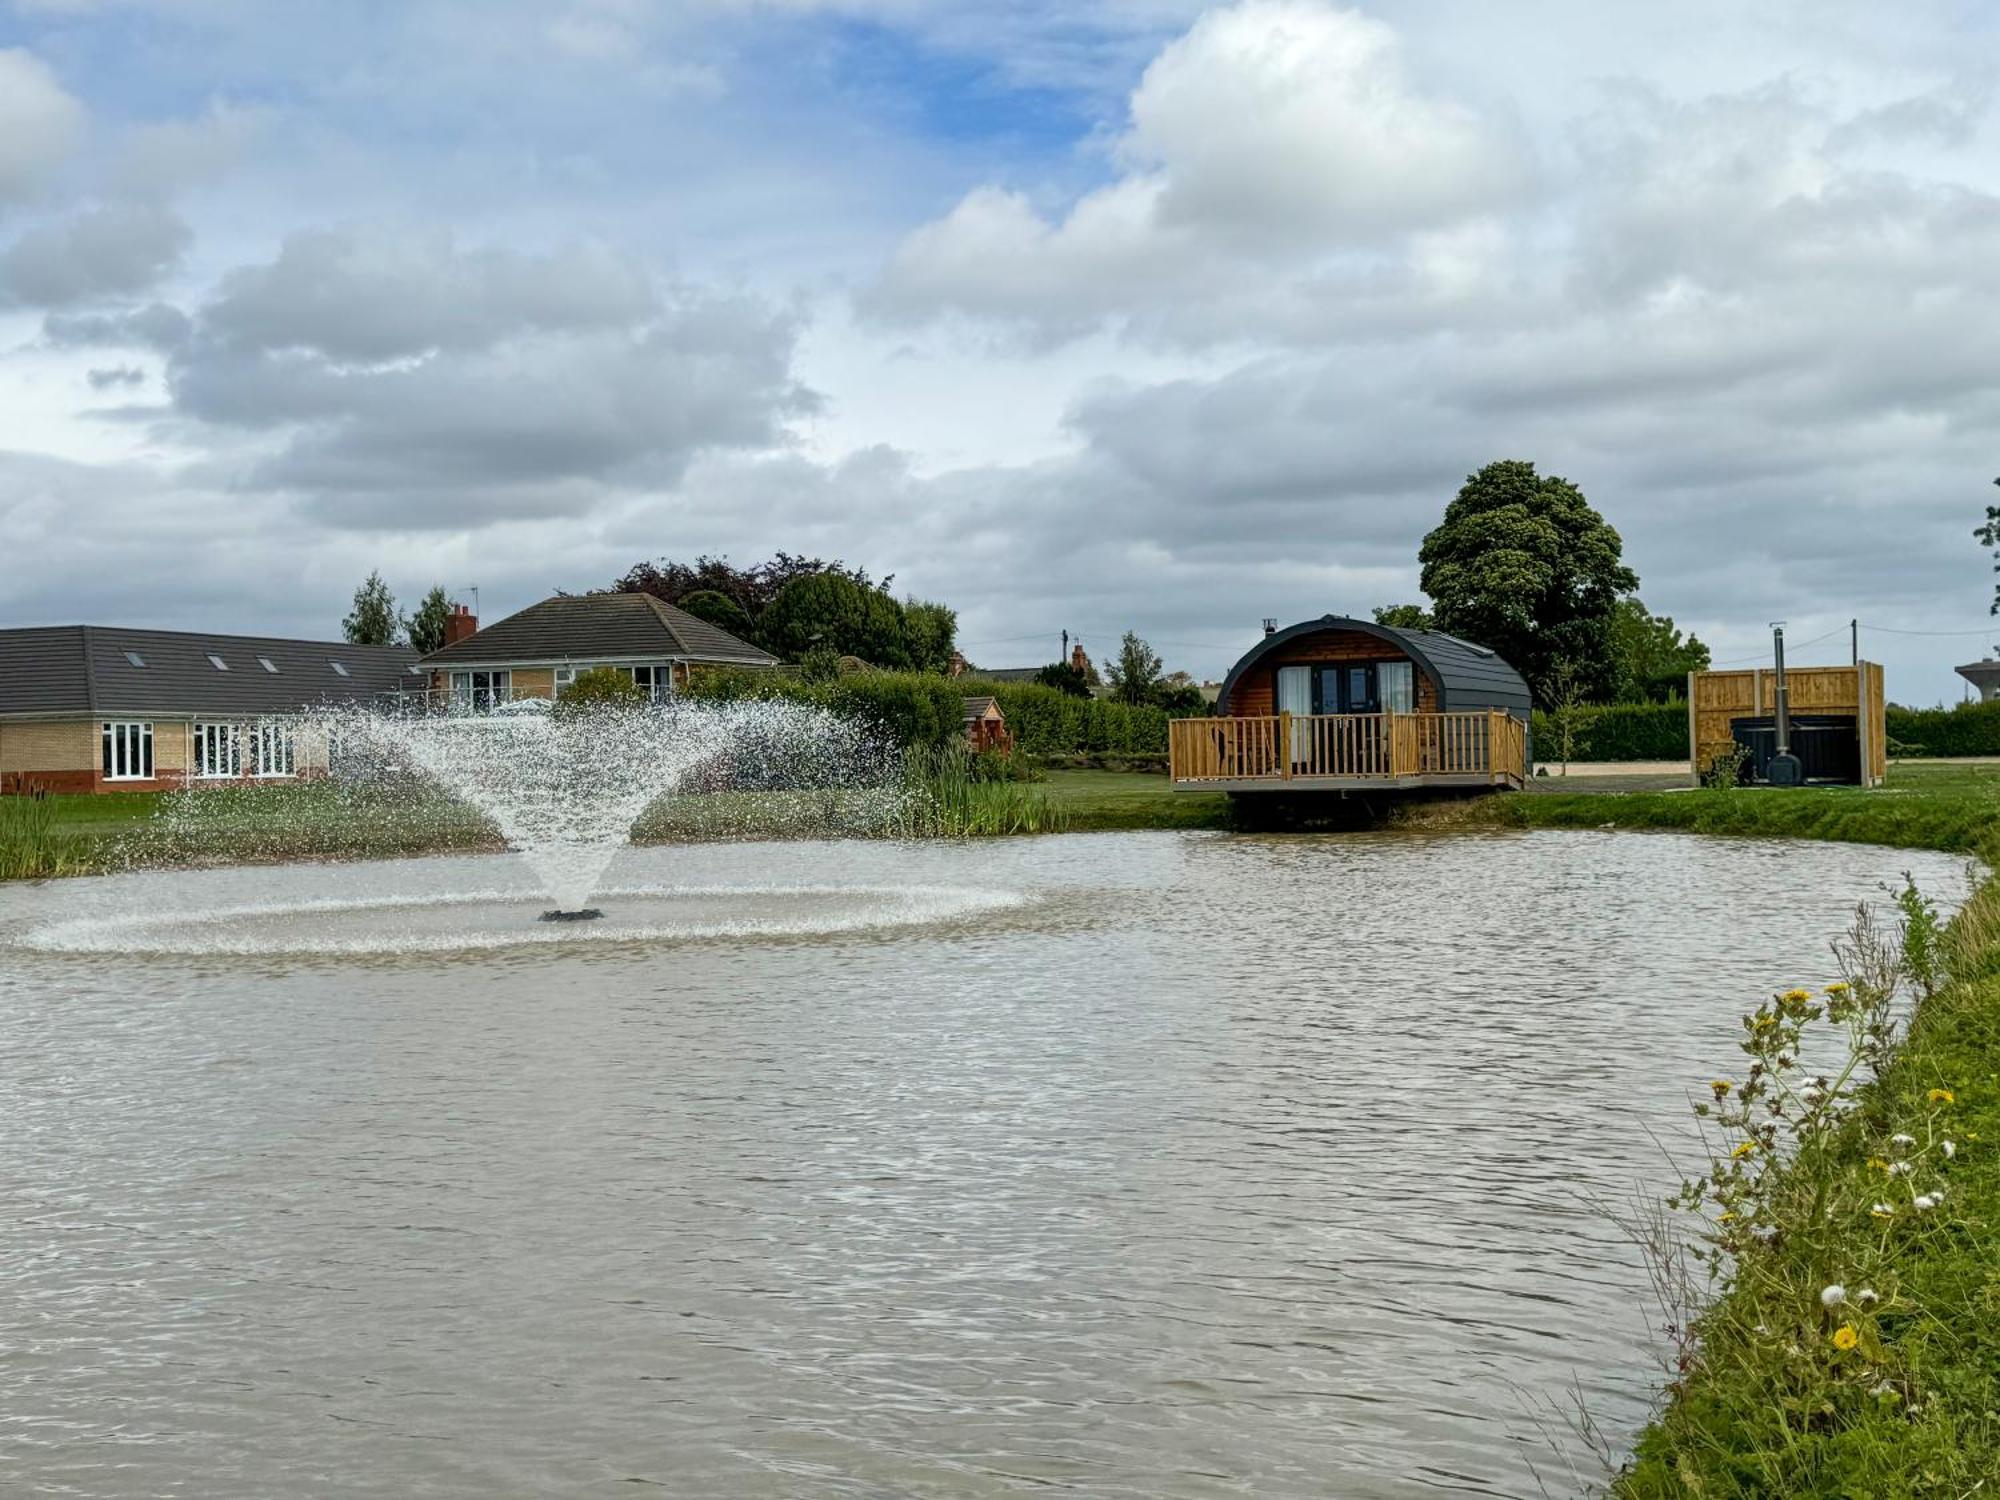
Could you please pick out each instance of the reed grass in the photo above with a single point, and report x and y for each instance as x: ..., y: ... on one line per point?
x: 33, y: 843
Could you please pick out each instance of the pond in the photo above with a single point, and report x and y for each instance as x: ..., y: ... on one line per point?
x: 1148, y: 1165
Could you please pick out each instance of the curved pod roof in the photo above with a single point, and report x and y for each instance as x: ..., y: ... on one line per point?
x: 1466, y: 676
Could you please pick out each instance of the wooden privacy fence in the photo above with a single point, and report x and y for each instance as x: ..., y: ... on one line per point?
x: 1267, y: 748
x: 1717, y: 699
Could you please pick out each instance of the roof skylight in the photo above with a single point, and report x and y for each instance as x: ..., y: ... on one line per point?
x: 217, y: 662
x: 135, y: 658
x: 339, y: 668
x: 267, y: 664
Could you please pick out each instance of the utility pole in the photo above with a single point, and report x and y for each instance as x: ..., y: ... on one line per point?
x: 1854, y: 639
x: 1065, y: 649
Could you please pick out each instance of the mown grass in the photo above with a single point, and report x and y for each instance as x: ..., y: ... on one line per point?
x: 1104, y: 801
x: 1949, y: 807
x: 1895, y: 1393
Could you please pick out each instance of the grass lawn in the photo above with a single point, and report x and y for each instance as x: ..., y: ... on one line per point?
x: 1096, y: 801
x: 1923, y: 805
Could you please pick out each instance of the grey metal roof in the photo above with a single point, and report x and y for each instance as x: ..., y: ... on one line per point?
x: 589, y: 627
x: 89, y: 669
x: 1466, y: 675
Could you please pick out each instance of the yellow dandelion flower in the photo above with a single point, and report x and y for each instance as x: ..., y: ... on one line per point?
x: 1796, y: 996
x: 1845, y: 1338
x: 1721, y: 1086
x: 1876, y: 1164
x: 1942, y: 1096
x: 1743, y: 1149
x: 1838, y: 987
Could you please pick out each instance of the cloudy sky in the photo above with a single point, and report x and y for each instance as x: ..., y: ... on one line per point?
x: 1125, y: 314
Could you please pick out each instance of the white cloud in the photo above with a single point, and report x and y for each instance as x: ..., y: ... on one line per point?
x: 40, y: 123
x: 1277, y: 135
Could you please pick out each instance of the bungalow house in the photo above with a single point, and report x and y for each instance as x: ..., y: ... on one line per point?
x: 91, y: 708
x: 1339, y: 704
x: 539, y: 651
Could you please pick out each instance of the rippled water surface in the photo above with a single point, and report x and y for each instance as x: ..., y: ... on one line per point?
x: 1149, y: 1165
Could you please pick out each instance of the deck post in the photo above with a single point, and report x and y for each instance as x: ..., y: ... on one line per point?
x: 1285, y: 743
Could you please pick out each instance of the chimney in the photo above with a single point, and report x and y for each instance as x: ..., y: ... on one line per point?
x: 459, y: 624
x: 958, y: 664
x: 1078, y: 660
x: 1270, y: 626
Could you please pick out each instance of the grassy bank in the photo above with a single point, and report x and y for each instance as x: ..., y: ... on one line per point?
x: 1854, y: 1349
x: 1935, y: 806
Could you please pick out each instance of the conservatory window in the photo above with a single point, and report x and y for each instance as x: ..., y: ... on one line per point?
x: 128, y: 751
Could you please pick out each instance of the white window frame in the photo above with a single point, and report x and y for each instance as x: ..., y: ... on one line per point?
x: 126, y: 749
x: 273, y: 753
x: 218, y: 750
x: 659, y: 679
x: 565, y: 676
x: 467, y: 691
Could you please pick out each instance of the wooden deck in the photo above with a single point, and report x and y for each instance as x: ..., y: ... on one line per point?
x: 1348, y: 752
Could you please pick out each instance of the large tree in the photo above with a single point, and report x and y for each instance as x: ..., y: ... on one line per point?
x: 1135, y: 675
x: 832, y: 612
x: 373, y: 620
x: 1404, y: 617
x: 1521, y: 563
x: 426, y: 626
x: 752, y: 588
x: 721, y: 611
x: 931, y: 630
x: 1990, y: 535
x: 1653, y: 657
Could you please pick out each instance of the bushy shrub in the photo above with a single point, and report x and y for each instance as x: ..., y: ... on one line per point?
x: 1620, y: 731
x: 910, y: 708
x: 600, y: 687
x: 1047, y: 721
x: 1965, y: 729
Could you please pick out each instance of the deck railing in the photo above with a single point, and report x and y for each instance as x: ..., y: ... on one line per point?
x: 1270, y: 748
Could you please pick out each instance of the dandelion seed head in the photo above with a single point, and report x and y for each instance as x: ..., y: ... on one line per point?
x: 1832, y: 1296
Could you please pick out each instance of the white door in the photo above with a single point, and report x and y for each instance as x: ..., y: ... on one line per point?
x: 1295, y: 697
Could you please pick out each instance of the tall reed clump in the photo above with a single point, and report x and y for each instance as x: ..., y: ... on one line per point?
x: 32, y: 846
x: 1835, y: 1311
x: 952, y: 795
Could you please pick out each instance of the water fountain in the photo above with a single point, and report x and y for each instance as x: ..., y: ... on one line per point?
x: 564, y: 787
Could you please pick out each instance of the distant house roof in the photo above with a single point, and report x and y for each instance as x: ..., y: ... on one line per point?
x: 1006, y: 674
x: 599, y: 627
x: 1466, y: 675
x: 113, y: 669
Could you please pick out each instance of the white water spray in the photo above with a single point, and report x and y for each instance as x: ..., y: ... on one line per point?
x: 565, y: 788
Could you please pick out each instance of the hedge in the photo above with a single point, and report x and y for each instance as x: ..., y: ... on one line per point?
x: 911, y: 708
x: 1964, y: 729
x: 1048, y: 721
x: 1618, y: 731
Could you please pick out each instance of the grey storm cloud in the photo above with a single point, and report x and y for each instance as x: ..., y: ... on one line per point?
x: 399, y: 379
x: 115, y: 250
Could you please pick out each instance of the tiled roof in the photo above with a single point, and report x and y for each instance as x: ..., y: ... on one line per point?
x: 596, y: 627
x: 91, y: 669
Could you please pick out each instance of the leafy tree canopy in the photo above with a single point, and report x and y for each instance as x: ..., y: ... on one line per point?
x: 1990, y: 535
x: 1521, y: 563
x: 721, y: 611
x: 1064, y: 677
x: 1135, y: 675
x: 373, y: 620
x: 1404, y: 617
x: 426, y: 627
x: 834, y: 612
x: 932, y: 631
x: 753, y: 589
x: 1653, y: 657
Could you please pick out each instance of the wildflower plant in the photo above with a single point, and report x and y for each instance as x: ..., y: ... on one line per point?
x: 1812, y: 1190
